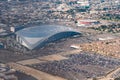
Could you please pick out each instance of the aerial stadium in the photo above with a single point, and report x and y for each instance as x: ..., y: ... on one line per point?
x: 38, y: 36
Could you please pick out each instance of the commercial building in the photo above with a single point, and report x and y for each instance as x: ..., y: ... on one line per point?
x: 87, y: 22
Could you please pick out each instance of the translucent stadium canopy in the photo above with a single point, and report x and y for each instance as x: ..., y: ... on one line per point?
x: 37, y: 36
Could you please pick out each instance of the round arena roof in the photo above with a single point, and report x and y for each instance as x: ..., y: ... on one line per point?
x: 32, y: 37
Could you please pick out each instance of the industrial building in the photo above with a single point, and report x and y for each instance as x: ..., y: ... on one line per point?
x: 38, y: 36
x: 87, y: 22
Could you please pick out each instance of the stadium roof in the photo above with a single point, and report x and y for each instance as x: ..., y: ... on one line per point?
x: 33, y: 37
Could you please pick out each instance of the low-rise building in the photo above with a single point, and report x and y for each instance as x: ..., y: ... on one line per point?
x: 87, y: 22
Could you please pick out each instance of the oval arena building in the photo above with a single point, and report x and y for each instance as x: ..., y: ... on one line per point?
x: 38, y: 36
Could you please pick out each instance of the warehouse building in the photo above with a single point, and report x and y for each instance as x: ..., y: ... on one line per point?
x: 87, y: 22
x: 38, y: 36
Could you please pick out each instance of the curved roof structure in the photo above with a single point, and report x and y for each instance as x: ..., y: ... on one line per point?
x: 33, y: 37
